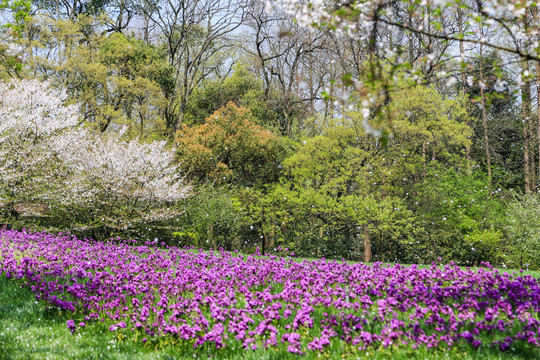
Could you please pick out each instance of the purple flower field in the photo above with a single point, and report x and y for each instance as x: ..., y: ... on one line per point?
x: 227, y: 299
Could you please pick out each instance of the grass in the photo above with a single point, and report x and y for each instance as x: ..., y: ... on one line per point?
x: 31, y: 330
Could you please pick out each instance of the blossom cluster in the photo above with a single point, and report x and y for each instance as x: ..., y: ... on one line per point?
x: 32, y: 113
x: 46, y: 156
x: 132, y: 169
x: 31, y: 109
x: 221, y: 299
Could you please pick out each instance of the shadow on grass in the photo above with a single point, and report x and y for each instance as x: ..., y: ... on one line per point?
x: 28, y: 330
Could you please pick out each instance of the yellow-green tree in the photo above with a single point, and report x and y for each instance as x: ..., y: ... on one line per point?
x: 345, y: 192
x: 118, y: 80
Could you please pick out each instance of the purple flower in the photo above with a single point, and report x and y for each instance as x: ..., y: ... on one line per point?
x: 71, y: 325
x: 223, y: 298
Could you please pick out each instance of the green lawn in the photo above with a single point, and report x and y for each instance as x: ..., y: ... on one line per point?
x: 28, y: 330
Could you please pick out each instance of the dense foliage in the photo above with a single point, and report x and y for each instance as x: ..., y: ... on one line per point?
x: 374, y: 130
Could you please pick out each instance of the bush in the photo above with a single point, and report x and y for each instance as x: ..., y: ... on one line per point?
x: 213, y: 218
x: 523, y: 226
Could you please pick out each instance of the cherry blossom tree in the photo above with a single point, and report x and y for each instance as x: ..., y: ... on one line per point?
x: 96, y: 183
x: 360, y: 18
x: 116, y: 186
x: 31, y: 115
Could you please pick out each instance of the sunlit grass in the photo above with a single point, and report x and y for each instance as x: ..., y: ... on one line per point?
x: 31, y: 330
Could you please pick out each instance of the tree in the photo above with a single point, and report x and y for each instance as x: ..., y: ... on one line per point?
x: 117, y: 79
x: 284, y: 52
x: 32, y: 115
x: 230, y: 147
x: 196, y: 39
x: 345, y: 192
x: 71, y: 9
x: 116, y: 187
x: 462, y: 219
x: 367, y: 20
x: 214, y: 218
x: 428, y: 130
x: 17, y: 13
x: 242, y: 88
x: 92, y: 183
x: 330, y: 202
x: 501, y: 113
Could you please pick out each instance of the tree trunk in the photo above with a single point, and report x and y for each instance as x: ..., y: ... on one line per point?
x: 367, y: 244
x: 272, y: 237
x: 484, y: 122
x: 532, y: 138
x: 211, y: 237
x: 532, y: 150
x: 283, y: 225
x: 464, y: 87
x: 424, y: 159
x: 525, y: 113
x: 538, y: 115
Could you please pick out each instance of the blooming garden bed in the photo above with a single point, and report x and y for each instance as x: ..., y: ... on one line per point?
x: 203, y: 300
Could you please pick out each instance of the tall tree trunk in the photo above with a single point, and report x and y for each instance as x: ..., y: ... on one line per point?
x: 283, y: 225
x: 525, y: 113
x: 424, y: 159
x: 484, y: 121
x: 532, y: 150
x: 321, y: 234
x: 367, y: 244
x: 530, y: 122
x: 464, y: 86
x: 272, y: 237
x: 538, y: 114
x: 212, y: 237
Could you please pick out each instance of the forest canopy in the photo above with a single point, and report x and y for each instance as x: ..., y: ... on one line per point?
x: 367, y: 130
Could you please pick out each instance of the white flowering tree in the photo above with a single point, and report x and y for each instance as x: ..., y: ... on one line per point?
x: 31, y: 115
x: 115, y: 186
x: 97, y: 184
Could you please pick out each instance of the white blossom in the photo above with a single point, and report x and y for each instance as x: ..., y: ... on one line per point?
x: 365, y: 113
x: 500, y: 85
x: 31, y: 114
x: 45, y: 156
x: 30, y: 108
x: 129, y: 168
